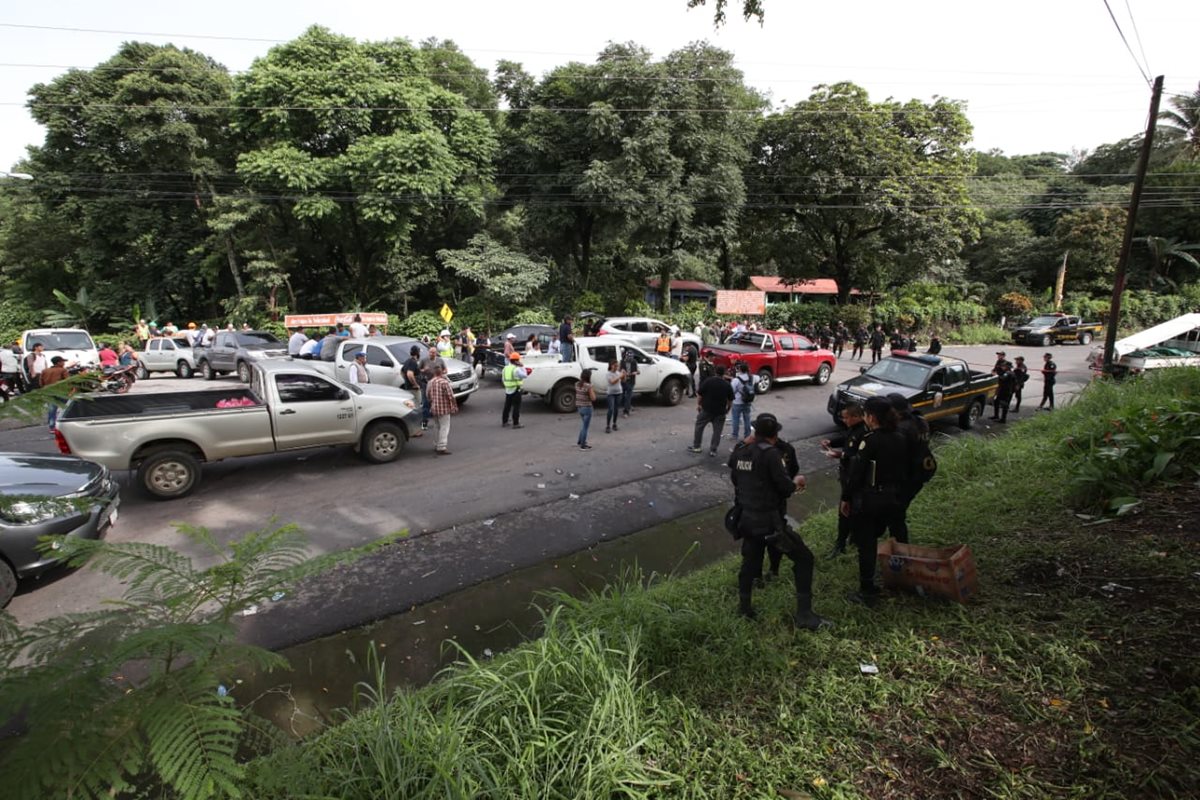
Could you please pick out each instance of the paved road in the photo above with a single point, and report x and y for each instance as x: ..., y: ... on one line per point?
x: 505, y: 498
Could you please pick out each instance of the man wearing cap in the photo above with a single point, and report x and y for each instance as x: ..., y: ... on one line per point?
x: 513, y: 374
x: 761, y: 488
x: 1000, y: 359
x: 1020, y: 376
x: 357, y: 374
x: 1004, y: 391
x: 510, y: 346
x: 1049, y: 378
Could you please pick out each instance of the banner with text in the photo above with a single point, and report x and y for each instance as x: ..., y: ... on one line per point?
x: 319, y: 320
x: 750, y: 303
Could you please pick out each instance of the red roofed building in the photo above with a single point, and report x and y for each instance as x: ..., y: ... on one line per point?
x: 681, y: 292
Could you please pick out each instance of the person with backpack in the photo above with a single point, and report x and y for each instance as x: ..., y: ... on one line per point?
x: 743, y: 399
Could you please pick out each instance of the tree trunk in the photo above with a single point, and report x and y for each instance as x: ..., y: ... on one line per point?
x: 726, y: 262
x: 231, y: 256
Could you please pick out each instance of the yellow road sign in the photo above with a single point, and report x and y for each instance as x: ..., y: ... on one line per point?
x: 446, y: 314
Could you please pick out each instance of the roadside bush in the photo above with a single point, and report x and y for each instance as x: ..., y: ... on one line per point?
x: 975, y: 334
x: 533, y: 316
x: 421, y: 323
x: 1013, y: 304
x: 16, y: 316
x: 690, y: 313
x: 639, y: 308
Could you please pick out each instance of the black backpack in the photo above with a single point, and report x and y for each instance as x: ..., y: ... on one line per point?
x: 747, y: 389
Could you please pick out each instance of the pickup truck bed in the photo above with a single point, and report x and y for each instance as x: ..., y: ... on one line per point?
x: 149, y: 405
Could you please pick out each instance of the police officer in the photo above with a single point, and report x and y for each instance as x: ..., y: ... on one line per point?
x: 843, y: 448
x: 791, y: 466
x: 915, y: 430
x: 762, y: 487
x: 512, y: 376
x: 1006, y: 382
x: 872, y: 491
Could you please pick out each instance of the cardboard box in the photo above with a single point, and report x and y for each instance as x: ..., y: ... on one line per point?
x: 939, y: 571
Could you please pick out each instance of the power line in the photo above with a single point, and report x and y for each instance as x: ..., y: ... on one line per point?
x: 1113, y: 17
x: 1137, y: 35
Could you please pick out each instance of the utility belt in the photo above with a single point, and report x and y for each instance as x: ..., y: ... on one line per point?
x: 876, y: 501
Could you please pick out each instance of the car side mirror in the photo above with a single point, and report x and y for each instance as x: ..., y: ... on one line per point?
x: 936, y: 387
x: 862, y: 370
x: 343, y: 394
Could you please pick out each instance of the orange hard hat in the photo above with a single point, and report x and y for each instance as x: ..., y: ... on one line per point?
x: 514, y: 356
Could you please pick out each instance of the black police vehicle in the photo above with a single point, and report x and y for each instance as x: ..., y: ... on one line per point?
x: 937, y: 386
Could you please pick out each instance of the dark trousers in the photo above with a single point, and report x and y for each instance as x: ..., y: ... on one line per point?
x: 843, y: 532
x: 753, y: 550
x: 627, y: 397
x: 1000, y: 408
x: 1047, y: 395
x: 876, y: 354
x: 896, y: 523
x: 703, y: 420
x: 512, y: 405
x: 614, y: 410
x: 1017, y: 398
x: 865, y: 531
x: 857, y: 352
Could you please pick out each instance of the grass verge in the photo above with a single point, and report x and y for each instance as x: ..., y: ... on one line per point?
x: 1073, y: 673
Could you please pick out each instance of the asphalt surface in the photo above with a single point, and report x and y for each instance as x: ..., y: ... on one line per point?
x: 504, y: 499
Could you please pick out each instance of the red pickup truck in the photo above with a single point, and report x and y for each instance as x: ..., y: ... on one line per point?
x: 773, y: 356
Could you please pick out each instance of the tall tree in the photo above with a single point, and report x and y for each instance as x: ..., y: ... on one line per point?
x: 868, y: 193
x: 360, y: 151
x: 1182, y: 128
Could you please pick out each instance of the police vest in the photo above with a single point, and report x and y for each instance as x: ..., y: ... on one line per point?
x: 508, y: 376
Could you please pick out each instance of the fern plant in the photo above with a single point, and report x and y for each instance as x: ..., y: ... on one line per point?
x: 127, y: 698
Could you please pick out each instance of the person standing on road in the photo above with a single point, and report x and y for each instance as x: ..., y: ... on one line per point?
x: 843, y: 449
x: 1049, y: 378
x: 510, y: 345
x: 743, y: 400
x: 585, y: 397
x: 716, y: 398
x: 445, y: 347
x: 51, y: 375
x: 877, y: 340
x: 1020, y: 378
x: 689, y: 361
x: 428, y: 366
x: 871, y: 493
x: 761, y: 489
x: 860, y: 341
x: 613, y: 391
x: 566, y: 339
x: 442, y: 406
x: 915, y: 430
x: 512, y: 376
x: 1004, y: 392
x: 629, y: 366
x: 358, y: 375
x: 412, y: 380
x: 1001, y: 358
x: 662, y: 345
x: 35, y: 364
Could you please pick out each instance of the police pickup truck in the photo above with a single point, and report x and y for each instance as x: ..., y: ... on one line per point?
x: 937, y: 386
x: 1051, y: 329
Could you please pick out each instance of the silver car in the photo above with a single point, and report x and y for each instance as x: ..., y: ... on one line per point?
x: 644, y: 332
x: 385, y: 356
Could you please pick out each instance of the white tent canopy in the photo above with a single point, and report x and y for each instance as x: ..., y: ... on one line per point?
x: 1164, y: 332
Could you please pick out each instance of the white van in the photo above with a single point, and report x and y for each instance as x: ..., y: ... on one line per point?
x: 73, y: 344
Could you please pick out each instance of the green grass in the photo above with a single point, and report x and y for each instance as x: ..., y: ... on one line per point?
x: 976, y: 334
x: 1047, y: 685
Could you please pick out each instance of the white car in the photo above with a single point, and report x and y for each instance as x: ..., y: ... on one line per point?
x: 385, y: 355
x: 644, y: 332
x: 73, y: 344
x: 554, y: 381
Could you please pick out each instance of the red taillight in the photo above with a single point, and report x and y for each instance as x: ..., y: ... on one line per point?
x: 61, y: 441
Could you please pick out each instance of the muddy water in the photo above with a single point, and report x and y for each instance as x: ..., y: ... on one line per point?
x: 483, y: 619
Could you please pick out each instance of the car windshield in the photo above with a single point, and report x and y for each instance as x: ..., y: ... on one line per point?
x: 1043, y: 322
x: 256, y: 337
x: 63, y: 340
x: 903, y: 373
x: 399, y: 350
x: 751, y: 339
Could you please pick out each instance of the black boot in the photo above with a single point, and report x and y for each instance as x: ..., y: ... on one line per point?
x: 805, y: 617
x: 745, y: 609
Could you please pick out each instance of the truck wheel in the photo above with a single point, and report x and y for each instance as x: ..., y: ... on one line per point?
x: 1047, y: 340
x: 968, y: 418
x: 8, y: 583
x: 243, y: 372
x: 169, y: 473
x: 671, y: 392
x: 183, y: 369
x: 206, y: 371
x: 382, y: 442
x: 141, y: 372
x: 562, y: 399
x: 764, y: 381
x: 823, y: 373
x: 1085, y: 338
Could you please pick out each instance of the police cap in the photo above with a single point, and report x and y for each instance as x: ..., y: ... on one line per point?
x: 766, y: 426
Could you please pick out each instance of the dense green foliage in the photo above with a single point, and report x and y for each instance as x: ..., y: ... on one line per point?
x: 337, y: 174
x: 1037, y: 688
x: 128, y: 697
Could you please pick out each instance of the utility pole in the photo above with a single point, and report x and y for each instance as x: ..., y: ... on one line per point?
x: 1114, y: 310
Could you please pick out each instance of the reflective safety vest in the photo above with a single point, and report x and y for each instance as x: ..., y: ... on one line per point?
x: 508, y: 376
x: 445, y: 348
x: 664, y: 343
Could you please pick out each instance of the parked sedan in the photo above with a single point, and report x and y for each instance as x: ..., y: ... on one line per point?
x: 521, y: 333
x: 48, y: 496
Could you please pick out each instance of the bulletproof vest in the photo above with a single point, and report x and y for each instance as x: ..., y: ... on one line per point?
x: 752, y: 476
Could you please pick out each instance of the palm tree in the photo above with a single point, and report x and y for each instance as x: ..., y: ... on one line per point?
x: 1162, y: 252
x: 1183, y: 123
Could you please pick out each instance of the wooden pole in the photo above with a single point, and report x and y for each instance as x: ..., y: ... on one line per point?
x: 1060, y: 282
x: 1114, y: 312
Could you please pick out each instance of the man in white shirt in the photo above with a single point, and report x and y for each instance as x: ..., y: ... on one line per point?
x: 357, y: 374
x: 310, y: 347
x: 296, y: 341
x: 357, y: 329
x: 35, y: 364
x: 207, y: 335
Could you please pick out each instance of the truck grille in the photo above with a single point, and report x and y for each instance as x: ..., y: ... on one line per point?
x: 455, y: 377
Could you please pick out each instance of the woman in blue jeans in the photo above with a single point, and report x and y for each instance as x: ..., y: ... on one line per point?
x: 585, y: 396
x: 613, y: 393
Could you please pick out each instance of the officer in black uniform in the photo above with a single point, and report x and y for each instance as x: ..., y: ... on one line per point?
x: 761, y: 489
x: 791, y: 466
x: 1005, y: 383
x: 871, y: 494
x: 915, y: 430
x: 843, y: 448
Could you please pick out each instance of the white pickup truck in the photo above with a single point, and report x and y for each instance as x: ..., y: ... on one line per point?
x: 385, y: 355
x: 1174, y: 343
x: 554, y: 381
x: 289, y: 406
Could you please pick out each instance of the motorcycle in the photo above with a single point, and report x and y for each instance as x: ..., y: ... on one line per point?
x: 8, y: 388
x: 118, y: 380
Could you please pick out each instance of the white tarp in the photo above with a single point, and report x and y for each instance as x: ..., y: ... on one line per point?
x: 1171, y: 329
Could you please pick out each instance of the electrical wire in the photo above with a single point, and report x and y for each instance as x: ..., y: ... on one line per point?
x: 1138, y: 36
x: 1113, y: 17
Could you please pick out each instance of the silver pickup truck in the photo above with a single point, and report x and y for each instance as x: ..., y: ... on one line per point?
x: 289, y: 406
